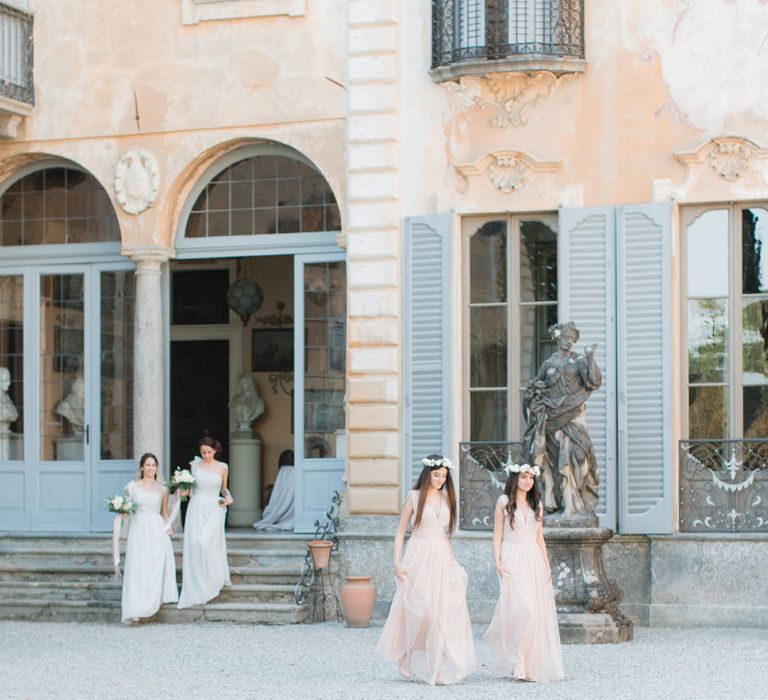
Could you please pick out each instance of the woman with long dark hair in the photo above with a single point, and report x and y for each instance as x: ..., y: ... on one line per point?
x: 523, y: 633
x: 205, y: 570
x: 149, y: 578
x: 428, y: 632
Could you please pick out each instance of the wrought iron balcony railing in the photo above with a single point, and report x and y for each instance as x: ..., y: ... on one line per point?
x: 724, y: 486
x: 482, y: 480
x: 481, y: 36
x: 16, y: 54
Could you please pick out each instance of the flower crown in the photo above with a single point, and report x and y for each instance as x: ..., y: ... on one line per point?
x: 513, y: 468
x: 437, y: 463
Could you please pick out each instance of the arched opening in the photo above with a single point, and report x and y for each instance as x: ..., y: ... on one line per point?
x: 262, y: 218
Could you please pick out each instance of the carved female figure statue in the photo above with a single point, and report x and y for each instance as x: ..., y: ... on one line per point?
x: 8, y: 411
x: 72, y: 406
x: 246, y: 405
x: 556, y: 437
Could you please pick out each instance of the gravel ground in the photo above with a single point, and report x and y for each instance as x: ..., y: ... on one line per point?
x: 328, y: 661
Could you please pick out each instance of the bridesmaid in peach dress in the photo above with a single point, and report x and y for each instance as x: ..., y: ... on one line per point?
x: 428, y: 632
x: 523, y: 633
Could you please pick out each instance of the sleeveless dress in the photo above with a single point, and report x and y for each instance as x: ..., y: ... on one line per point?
x: 523, y: 633
x: 149, y: 578
x: 428, y: 631
x: 205, y: 569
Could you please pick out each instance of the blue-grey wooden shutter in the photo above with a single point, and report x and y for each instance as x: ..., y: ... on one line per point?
x: 587, y: 296
x: 646, y: 447
x: 426, y: 321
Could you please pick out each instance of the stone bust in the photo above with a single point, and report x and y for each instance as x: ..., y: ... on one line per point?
x: 246, y: 405
x: 8, y: 412
x: 72, y: 406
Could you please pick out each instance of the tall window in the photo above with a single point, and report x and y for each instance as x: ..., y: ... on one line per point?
x: 511, y: 301
x: 726, y: 282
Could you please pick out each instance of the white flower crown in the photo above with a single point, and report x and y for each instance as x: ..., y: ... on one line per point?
x: 436, y: 463
x: 513, y: 468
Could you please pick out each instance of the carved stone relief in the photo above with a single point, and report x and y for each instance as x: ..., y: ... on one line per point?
x: 509, y: 171
x: 507, y: 95
x: 137, y: 181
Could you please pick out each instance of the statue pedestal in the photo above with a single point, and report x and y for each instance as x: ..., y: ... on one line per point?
x: 244, y: 480
x: 70, y: 448
x: 587, y: 600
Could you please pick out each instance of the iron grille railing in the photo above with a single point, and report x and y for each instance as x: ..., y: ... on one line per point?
x: 724, y: 486
x: 16, y: 54
x: 482, y: 480
x: 476, y: 30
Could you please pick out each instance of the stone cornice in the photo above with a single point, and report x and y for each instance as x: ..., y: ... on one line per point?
x: 149, y: 254
x: 508, y: 170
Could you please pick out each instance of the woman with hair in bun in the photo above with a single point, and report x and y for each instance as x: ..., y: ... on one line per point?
x: 205, y: 570
x: 428, y: 632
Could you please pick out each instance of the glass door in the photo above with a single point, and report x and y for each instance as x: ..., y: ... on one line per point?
x: 320, y: 341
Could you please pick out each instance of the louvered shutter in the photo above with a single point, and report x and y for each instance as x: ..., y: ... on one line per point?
x: 646, y: 448
x: 586, y: 296
x: 427, y: 331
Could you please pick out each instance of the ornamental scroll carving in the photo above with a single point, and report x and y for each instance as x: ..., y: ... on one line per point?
x: 507, y: 95
x: 137, y: 181
x: 728, y: 157
x: 509, y: 171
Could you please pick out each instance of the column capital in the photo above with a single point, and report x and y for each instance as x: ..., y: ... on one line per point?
x: 149, y: 254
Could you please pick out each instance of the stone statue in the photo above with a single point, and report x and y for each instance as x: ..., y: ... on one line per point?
x: 556, y: 436
x: 8, y: 412
x: 246, y: 405
x: 72, y: 406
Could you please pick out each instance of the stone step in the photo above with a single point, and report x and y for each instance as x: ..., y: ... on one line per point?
x: 106, y: 611
x: 105, y: 591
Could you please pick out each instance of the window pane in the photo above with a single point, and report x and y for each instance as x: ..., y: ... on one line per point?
x: 754, y: 237
x: 117, y: 299
x: 755, y: 411
x: 538, y: 262
x: 708, y: 255
x: 755, y: 340
x: 11, y: 367
x: 62, y: 382
x: 707, y: 412
x: 488, y: 263
x: 199, y: 297
x: 707, y: 340
x: 535, y: 343
x: 488, y: 346
x: 488, y: 415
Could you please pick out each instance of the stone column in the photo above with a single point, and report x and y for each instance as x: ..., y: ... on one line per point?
x: 148, y: 348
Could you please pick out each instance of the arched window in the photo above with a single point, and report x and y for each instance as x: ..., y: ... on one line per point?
x: 56, y: 205
x: 264, y: 194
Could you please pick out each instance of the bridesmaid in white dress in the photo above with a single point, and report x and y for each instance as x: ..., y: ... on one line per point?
x: 523, y: 633
x: 150, y: 568
x: 428, y: 631
x: 205, y: 570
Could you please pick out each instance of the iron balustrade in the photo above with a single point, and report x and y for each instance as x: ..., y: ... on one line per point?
x: 482, y: 479
x: 487, y: 30
x: 724, y: 486
x: 16, y: 54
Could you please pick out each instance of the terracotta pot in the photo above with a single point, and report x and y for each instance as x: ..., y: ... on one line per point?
x: 321, y: 552
x: 358, y: 595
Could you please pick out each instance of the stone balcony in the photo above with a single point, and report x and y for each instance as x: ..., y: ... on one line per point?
x: 17, y: 93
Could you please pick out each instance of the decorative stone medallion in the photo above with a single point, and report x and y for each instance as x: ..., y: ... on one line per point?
x: 137, y: 181
x: 729, y: 158
x: 508, y: 174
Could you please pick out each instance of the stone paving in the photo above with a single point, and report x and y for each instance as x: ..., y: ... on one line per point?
x: 328, y: 661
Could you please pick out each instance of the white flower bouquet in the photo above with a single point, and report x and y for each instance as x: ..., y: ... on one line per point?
x: 122, y: 505
x: 183, y: 481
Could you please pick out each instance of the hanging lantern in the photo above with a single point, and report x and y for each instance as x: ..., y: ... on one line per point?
x: 245, y: 297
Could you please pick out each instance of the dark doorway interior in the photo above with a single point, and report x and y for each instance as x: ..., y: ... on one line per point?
x: 199, y: 397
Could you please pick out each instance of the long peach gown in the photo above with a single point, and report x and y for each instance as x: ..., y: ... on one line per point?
x: 523, y: 633
x: 428, y: 632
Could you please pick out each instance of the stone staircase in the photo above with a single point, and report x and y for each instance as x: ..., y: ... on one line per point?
x: 70, y: 578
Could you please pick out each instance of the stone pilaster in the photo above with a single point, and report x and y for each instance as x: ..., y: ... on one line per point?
x: 373, y: 226
x: 148, y: 378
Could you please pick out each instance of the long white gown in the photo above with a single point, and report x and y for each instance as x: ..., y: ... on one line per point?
x: 205, y: 569
x: 149, y: 578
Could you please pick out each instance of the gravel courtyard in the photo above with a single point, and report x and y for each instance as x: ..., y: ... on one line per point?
x: 325, y: 661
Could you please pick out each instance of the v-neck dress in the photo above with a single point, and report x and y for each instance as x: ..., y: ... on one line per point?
x: 523, y: 633
x: 428, y: 632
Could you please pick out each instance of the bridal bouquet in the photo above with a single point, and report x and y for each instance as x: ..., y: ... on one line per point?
x: 122, y: 505
x: 182, y: 480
